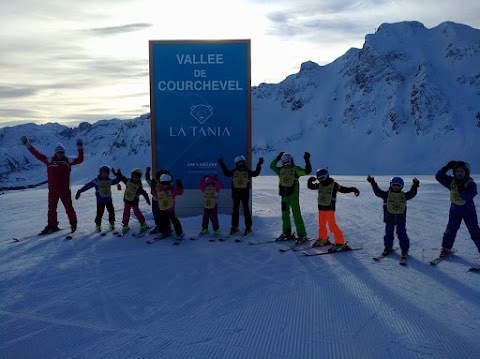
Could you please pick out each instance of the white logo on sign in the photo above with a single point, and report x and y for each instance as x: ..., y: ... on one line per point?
x: 201, y: 113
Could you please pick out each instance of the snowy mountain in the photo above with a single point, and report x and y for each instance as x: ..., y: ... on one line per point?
x: 407, y: 102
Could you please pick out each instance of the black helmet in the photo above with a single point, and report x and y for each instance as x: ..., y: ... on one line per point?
x: 464, y: 165
x: 322, y: 174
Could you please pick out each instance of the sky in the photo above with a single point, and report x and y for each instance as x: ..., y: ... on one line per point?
x: 76, y: 61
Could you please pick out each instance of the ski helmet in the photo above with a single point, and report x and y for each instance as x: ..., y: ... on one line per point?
x: 286, y: 159
x: 138, y: 171
x: 463, y: 164
x: 240, y: 159
x: 397, y: 181
x: 104, y: 168
x: 165, y: 178
x: 322, y: 174
x: 209, y: 180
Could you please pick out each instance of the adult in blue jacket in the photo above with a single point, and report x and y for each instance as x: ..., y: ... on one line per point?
x: 462, y: 191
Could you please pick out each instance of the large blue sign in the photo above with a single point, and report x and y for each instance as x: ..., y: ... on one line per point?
x: 200, y: 106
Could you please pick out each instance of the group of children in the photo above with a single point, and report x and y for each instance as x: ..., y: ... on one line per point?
x: 462, y: 191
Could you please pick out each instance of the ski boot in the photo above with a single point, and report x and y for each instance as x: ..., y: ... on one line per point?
x: 285, y: 237
x: 445, y: 252
x: 216, y: 232
x: 404, y: 254
x: 387, y: 251
x: 203, y: 232
x: 338, y: 247
x: 234, y: 230
x: 321, y: 242
x: 98, y: 228
x: 73, y: 227
x: 49, y: 229
x: 248, y: 231
x: 301, y: 239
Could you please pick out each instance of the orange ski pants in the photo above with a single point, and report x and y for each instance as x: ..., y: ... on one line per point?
x: 328, y: 217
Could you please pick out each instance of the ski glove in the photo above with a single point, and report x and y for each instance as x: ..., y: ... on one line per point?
x: 260, y: 161
x: 77, y: 196
x: 306, y: 156
x: 79, y: 143
x: 25, y: 141
x: 147, y: 173
x: 356, y: 191
x: 279, y: 156
x: 416, y: 183
x: 449, y: 166
x: 371, y: 179
x: 178, y: 182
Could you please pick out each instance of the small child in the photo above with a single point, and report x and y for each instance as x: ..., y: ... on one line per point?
x: 327, y: 198
x: 210, y: 186
x: 395, y: 212
x: 133, y: 189
x: 165, y: 194
x: 462, y: 191
x: 155, y: 208
x: 103, y: 192
x: 289, y: 191
x: 242, y: 176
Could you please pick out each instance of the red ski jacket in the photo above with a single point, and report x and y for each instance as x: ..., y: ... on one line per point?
x: 58, y: 171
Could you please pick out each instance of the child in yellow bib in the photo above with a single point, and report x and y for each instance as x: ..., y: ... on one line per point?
x: 210, y: 186
x: 395, y: 211
x: 327, y: 198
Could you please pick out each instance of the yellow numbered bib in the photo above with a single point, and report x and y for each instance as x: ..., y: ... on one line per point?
x: 455, y: 194
x: 165, y: 199
x: 287, y: 176
x: 325, y: 194
x: 240, y: 179
x: 209, y: 200
x: 396, y: 203
x: 130, y: 190
x: 104, y: 190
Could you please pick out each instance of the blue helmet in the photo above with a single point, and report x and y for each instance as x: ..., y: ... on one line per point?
x: 322, y: 174
x: 397, y: 180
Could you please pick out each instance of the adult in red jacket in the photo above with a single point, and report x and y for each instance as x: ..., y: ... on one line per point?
x: 58, y: 172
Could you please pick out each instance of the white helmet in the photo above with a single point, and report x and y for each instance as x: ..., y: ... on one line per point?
x: 165, y: 178
x: 240, y: 159
x: 286, y: 158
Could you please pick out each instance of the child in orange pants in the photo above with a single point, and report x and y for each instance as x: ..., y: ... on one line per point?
x: 327, y: 197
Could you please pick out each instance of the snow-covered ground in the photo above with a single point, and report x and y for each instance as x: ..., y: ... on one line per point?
x: 110, y: 297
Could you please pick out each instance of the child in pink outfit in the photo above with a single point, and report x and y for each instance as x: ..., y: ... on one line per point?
x: 210, y: 186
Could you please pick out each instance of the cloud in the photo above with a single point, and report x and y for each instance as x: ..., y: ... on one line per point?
x: 11, y: 92
x: 114, y: 30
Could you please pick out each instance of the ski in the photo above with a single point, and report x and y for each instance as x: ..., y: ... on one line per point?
x: 298, y: 247
x: 276, y: 240
x: 229, y: 236
x: 381, y: 255
x: 437, y: 260
x: 103, y: 234
x: 38, y: 235
x: 320, y: 253
x: 141, y: 232
x: 156, y: 239
x: 70, y: 235
x: 473, y: 269
x: 178, y: 239
x: 242, y: 238
x: 122, y: 232
x: 213, y: 236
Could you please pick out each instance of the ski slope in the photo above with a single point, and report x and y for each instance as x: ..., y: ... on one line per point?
x: 109, y: 297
